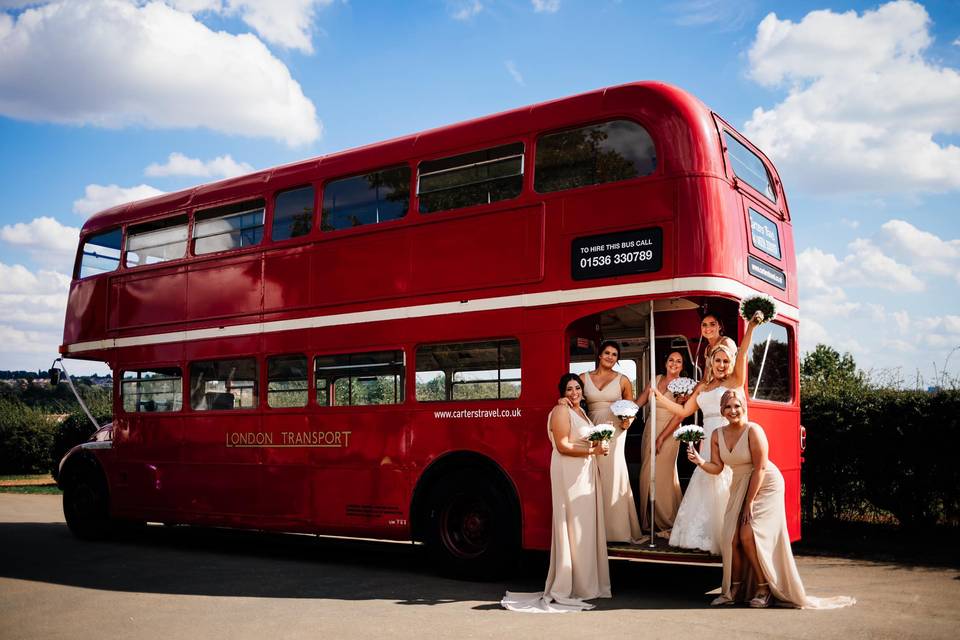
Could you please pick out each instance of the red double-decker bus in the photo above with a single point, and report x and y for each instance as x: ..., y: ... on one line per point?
x: 367, y: 343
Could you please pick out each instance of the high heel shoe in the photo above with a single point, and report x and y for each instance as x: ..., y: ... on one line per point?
x: 724, y: 599
x: 761, y: 600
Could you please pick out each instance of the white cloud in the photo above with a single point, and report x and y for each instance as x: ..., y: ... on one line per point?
x: 99, y: 197
x: 464, y: 9
x: 864, y: 105
x: 285, y: 23
x: 925, y: 251
x: 853, y: 224
x: 180, y: 165
x: 546, y: 6
x: 31, y: 327
x: 41, y: 233
x: 49, y: 242
x: 114, y: 63
x: 514, y: 73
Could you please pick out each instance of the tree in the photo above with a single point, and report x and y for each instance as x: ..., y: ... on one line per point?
x: 825, y: 366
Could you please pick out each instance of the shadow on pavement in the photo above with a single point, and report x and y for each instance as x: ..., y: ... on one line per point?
x: 220, y: 562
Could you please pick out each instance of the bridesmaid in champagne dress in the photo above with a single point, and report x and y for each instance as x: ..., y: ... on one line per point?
x: 755, y: 543
x: 601, y: 388
x: 578, y: 550
x: 667, y: 481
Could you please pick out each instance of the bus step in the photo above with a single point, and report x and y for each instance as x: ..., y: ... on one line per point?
x: 661, y: 552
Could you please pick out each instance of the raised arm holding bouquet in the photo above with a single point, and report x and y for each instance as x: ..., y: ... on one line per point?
x: 700, y: 516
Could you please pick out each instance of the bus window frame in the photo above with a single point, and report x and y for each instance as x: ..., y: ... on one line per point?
x: 187, y: 254
x: 188, y: 380
x: 314, y: 402
x: 120, y: 370
x: 78, y: 258
x: 524, y: 164
x: 192, y: 238
x: 794, y: 364
x: 265, y: 391
x: 631, y: 117
x: 504, y: 338
x: 779, y: 206
x: 271, y: 211
x: 321, y: 193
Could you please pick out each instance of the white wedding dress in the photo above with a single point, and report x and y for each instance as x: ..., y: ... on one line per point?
x: 700, y: 517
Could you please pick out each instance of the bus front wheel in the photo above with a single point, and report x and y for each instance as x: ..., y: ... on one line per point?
x: 474, y: 531
x: 86, y: 505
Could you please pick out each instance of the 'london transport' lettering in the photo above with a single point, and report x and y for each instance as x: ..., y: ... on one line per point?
x: 325, y: 439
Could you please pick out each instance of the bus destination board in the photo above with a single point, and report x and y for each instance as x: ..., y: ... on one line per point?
x: 617, y: 254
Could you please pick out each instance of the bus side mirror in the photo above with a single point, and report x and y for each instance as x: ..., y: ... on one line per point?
x: 54, y: 377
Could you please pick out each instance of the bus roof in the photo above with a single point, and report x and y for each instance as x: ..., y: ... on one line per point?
x: 670, y: 113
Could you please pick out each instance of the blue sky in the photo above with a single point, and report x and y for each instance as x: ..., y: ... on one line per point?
x: 103, y: 101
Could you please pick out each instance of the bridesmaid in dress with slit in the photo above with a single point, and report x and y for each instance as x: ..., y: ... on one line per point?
x: 578, y: 549
x: 754, y: 542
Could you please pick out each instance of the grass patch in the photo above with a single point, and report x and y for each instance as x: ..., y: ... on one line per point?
x: 32, y: 489
x: 34, y: 476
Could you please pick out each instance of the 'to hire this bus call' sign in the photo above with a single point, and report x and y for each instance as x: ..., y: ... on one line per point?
x: 617, y: 254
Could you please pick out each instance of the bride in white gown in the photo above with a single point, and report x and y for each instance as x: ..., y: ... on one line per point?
x: 700, y: 517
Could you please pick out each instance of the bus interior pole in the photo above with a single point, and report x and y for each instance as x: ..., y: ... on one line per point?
x: 652, y: 437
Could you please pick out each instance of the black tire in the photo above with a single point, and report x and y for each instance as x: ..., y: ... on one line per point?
x: 473, y: 529
x: 86, y: 504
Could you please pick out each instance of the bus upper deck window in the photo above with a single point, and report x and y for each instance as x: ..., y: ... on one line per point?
x: 371, y: 198
x: 468, y: 179
x: 599, y: 153
x: 749, y: 167
x: 292, y: 213
x: 101, y: 253
x: 156, y: 242
x: 231, y: 227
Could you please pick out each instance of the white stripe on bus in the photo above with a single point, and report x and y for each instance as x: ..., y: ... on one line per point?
x: 709, y: 284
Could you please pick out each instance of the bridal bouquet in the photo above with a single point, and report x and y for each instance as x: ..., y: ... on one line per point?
x: 600, y: 433
x: 681, y: 388
x: 689, y: 433
x: 763, y: 304
x: 624, y: 409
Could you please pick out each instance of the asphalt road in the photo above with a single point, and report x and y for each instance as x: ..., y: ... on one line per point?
x: 184, y: 583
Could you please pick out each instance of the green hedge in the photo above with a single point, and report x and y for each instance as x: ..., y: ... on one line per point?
x: 26, y: 436
x: 874, y: 453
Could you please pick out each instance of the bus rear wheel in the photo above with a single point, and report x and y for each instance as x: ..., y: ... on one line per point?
x: 86, y: 505
x: 474, y: 532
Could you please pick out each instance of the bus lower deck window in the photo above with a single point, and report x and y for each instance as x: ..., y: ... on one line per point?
x: 223, y: 384
x: 468, y: 370
x: 360, y: 378
x: 154, y: 390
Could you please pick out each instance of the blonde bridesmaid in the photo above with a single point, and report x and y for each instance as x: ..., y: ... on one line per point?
x: 755, y: 543
x: 578, y: 549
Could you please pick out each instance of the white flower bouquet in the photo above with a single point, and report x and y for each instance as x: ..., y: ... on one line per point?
x: 624, y: 409
x: 689, y: 433
x: 764, y: 304
x: 601, y: 432
x: 681, y: 386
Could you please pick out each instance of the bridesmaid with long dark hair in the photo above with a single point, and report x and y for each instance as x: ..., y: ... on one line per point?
x: 578, y: 548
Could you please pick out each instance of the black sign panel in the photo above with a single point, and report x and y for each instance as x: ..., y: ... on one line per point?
x: 764, y: 233
x: 767, y: 273
x: 617, y: 254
